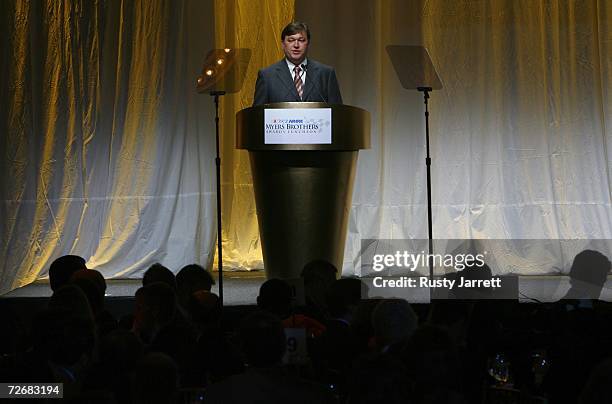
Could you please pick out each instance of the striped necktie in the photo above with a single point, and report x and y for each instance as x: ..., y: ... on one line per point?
x: 299, y: 85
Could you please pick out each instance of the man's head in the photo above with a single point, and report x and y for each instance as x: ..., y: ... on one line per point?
x: 159, y: 273
x: 155, y: 308
x: 394, y: 320
x: 93, y: 276
x: 590, y: 267
x: 318, y: 277
x: 295, y: 39
x: 62, y: 269
x: 588, y: 275
x: 275, y: 297
x: 344, y: 296
x: 192, y: 278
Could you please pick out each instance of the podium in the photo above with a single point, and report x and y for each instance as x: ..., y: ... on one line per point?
x: 303, y: 191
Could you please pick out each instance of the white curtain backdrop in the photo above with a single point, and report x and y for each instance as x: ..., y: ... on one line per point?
x: 521, y: 133
x: 107, y: 151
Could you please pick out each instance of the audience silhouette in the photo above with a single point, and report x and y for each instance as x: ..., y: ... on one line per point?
x: 180, y: 345
x: 588, y: 275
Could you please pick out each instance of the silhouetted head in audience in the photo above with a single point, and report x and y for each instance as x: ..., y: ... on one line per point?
x: 262, y: 339
x: 92, y: 283
x: 155, y: 380
x: 62, y: 269
x: 204, y: 307
x: 471, y: 272
x: 159, y: 273
x: 275, y: 297
x: 318, y: 277
x: 192, y: 278
x: 343, y: 297
x: 588, y: 275
x: 94, y: 297
x: 394, y: 322
x: 73, y: 298
x: 92, y: 275
x: 155, y: 308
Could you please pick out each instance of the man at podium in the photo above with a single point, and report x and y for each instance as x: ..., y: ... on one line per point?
x: 296, y: 78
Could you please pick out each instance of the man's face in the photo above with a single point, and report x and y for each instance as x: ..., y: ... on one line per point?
x: 295, y: 47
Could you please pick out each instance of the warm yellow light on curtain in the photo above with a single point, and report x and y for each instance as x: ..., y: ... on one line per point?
x: 139, y: 145
x: 17, y: 175
x: 62, y: 122
x: 255, y: 25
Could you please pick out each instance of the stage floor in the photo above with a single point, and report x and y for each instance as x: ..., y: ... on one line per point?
x: 242, y: 288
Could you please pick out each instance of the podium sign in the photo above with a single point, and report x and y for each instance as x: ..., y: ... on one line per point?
x: 297, y: 126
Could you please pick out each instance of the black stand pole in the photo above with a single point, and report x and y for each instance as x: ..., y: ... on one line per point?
x: 216, y: 94
x: 425, y: 91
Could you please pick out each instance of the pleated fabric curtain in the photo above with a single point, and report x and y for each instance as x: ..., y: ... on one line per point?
x: 255, y: 25
x: 108, y: 152
x: 520, y: 134
x: 106, y: 147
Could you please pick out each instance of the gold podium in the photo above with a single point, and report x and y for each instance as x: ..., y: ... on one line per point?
x: 303, y: 191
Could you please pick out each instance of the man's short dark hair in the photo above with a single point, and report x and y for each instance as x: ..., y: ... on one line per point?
x: 275, y: 297
x: 294, y: 28
x: 159, y: 273
x: 343, y: 294
x: 62, y: 269
x: 192, y: 278
x: 591, y: 267
x: 161, y: 298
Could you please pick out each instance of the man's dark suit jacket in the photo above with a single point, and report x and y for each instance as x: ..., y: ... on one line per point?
x: 274, y: 84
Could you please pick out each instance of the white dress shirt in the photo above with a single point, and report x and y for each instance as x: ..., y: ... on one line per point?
x: 303, y: 72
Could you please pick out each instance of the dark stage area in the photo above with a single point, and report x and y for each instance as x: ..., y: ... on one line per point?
x: 498, y: 351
